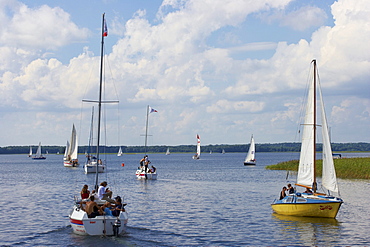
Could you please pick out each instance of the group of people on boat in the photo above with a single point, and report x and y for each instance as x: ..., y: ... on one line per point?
x: 291, y: 190
x: 144, y: 163
x: 111, y: 207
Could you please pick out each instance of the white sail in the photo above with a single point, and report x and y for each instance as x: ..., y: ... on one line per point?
x: 66, y: 151
x: 168, y: 151
x: 73, y: 147
x: 30, y: 154
x: 306, y: 160
x: 251, y: 152
x: 119, y: 152
x: 38, y: 152
x: 329, y: 178
x: 198, y: 145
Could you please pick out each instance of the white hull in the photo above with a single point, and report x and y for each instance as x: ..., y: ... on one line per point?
x: 141, y: 175
x: 100, y: 225
x: 91, y: 168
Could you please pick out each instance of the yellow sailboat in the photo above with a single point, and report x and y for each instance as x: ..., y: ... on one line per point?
x: 311, y: 203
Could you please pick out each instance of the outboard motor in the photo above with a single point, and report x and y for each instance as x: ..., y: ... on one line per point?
x: 116, y: 226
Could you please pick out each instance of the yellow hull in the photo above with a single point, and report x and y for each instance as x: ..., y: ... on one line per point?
x: 324, y: 210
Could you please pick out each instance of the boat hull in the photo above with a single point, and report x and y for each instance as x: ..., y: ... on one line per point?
x: 38, y: 158
x: 91, y: 168
x: 71, y: 164
x: 98, y: 226
x: 324, y: 207
x: 142, y: 175
x: 249, y: 163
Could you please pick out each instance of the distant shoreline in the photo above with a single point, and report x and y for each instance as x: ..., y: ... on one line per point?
x: 229, y: 148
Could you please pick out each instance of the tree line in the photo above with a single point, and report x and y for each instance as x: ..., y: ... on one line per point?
x: 229, y: 148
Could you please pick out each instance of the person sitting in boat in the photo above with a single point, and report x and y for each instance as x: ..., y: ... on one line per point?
x: 85, y: 193
x: 118, y: 206
x: 290, y: 189
x: 92, y: 208
x: 152, y: 169
x: 282, y: 193
x: 104, y: 193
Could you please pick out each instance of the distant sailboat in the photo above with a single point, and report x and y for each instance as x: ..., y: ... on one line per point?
x: 250, y: 159
x: 92, y: 165
x: 119, y: 152
x: 312, y: 203
x: 71, y: 154
x: 141, y: 173
x: 223, y: 151
x: 168, y: 151
x: 38, y: 155
x: 197, y: 155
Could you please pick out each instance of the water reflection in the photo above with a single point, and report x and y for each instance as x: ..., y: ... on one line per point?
x: 308, y: 230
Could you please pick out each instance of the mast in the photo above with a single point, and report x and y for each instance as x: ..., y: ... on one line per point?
x: 100, y: 100
x: 314, y: 184
x: 146, y: 128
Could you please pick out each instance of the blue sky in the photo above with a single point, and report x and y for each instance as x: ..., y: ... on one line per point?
x: 222, y: 69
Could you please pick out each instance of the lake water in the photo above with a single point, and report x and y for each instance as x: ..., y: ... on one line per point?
x: 214, y: 201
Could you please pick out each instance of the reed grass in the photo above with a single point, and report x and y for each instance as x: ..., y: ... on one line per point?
x: 348, y: 168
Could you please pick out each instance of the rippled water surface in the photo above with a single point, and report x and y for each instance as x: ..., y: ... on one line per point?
x: 214, y: 201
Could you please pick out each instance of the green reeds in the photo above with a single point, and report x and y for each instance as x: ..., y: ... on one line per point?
x: 350, y: 168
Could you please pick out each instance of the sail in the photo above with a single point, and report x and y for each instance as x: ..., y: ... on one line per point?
x: 73, y: 147
x: 198, y: 146
x: 168, y: 151
x: 119, y: 152
x: 66, y: 151
x: 329, y: 178
x: 251, y: 151
x: 38, y: 152
x: 306, y: 160
x: 30, y: 154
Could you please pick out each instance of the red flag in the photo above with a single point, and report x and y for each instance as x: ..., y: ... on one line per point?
x: 105, y: 33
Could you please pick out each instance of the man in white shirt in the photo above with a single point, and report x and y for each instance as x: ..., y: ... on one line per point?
x: 105, y: 194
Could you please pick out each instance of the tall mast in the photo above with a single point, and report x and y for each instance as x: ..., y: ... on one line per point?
x: 314, y: 185
x: 146, y: 128
x: 100, y: 100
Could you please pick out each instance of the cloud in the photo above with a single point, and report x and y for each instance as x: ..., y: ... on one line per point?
x: 171, y: 66
x: 39, y: 28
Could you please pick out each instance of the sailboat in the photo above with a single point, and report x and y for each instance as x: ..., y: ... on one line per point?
x: 104, y: 225
x: 250, y: 159
x: 70, y: 156
x: 197, y: 155
x: 141, y: 172
x: 168, y: 151
x: 38, y: 155
x: 119, y: 152
x: 311, y: 203
x: 30, y: 153
x: 92, y: 165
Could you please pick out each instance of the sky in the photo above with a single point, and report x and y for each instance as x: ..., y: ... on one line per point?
x: 223, y: 69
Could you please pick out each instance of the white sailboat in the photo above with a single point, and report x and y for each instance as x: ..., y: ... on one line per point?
x: 250, y: 160
x: 30, y: 153
x: 143, y: 171
x: 104, y: 225
x: 92, y: 165
x: 311, y: 203
x: 119, y: 152
x: 38, y: 155
x: 168, y: 151
x: 70, y: 156
x: 197, y: 155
